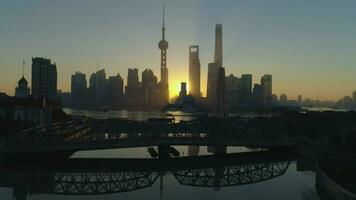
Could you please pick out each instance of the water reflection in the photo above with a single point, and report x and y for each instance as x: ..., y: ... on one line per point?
x: 108, y: 176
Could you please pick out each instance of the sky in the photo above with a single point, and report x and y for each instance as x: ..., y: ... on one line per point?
x: 309, y: 46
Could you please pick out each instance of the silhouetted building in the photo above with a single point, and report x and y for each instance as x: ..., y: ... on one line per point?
x: 22, y: 90
x: 348, y: 103
x: 149, y: 88
x: 183, y: 89
x: 274, y: 99
x: 214, y: 68
x: 246, y: 84
x: 354, y: 98
x: 114, y: 92
x: 283, y: 99
x: 163, y: 84
x: 97, y: 86
x: 35, y: 110
x: 79, y: 90
x: 266, y: 84
x: 232, y: 91
x: 300, y: 99
x: 211, y: 85
x: 65, y: 99
x: 220, y: 108
x: 44, y: 78
x: 218, y: 58
x: 3, y: 96
x: 194, y: 71
x: 257, y: 94
x: 132, y: 91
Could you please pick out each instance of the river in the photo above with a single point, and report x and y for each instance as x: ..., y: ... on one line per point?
x: 250, y: 174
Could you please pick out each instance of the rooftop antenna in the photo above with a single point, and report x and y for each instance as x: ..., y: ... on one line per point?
x: 23, y: 68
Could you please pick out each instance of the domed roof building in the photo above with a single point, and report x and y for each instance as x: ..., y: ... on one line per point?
x: 22, y: 90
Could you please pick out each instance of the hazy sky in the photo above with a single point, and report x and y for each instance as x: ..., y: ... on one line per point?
x: 309, y: 46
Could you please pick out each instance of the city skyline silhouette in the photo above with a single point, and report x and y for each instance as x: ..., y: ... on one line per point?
x: 313, y: 59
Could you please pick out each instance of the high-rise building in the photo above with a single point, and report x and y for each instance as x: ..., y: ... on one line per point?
x: 266, y: 84
x: 257, y: 94
x: 220, y: 101
x: 194, y: 71
x: 149, y: 88
x: 283, y: 99
x: 115, y: 92
x: 183, y: 89
x: 79, y: 90
x: 246, y: 84
x: 100, y: 84
x: 232, y: 91
x: 132, y: 90
x: 163, y: 46
x: 211, y: 85
x: 218, y: 58
x: 44, y: 78
x: 354, y: 98
x: 213, y: 68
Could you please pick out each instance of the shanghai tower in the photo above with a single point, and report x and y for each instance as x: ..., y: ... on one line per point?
x: 218, y: 59
x: 213, y: 68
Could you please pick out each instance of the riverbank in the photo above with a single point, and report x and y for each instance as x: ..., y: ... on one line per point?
x: 334, y: 168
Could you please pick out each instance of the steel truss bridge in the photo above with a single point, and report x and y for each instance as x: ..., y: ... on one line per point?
x: 107, y: 176
x: 90, y: 134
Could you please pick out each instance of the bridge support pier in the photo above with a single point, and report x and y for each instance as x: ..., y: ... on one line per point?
x: 164, y: 151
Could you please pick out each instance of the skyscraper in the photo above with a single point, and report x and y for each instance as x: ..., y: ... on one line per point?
x: 218, y: 59
x: 115, y: 92
x: 232, y: 91
x: 132, y: 94
x: 257, y: 94
x: 354, y: 98
x: 213, y: 68
x: 79, y: 90
x: 220, y: 107
x: 194, y: 71
x: 266, y: 84
x: 211, y: 85
x: 183, y: 89
x: 100, y: 84
x: 44, y: 78
x: 163, y: 46
x: 149, y: 88
x: 246, y: 84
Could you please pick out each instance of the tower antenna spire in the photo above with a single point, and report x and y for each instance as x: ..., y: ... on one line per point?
x: 163, y: 19
x: 164, y: 7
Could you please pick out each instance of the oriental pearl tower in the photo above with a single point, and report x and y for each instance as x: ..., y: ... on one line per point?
x: 163, y: 46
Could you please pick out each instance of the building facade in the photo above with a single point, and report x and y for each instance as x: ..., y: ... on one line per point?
x: 22, y: 90
x: 44, y: 78
x: 79, y: 90
x: 194, y: 71
x: 266, y: 84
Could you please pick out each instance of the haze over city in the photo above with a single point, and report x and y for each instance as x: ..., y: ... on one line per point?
x: 308, y: 47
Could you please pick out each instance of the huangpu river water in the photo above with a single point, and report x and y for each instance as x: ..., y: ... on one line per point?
x: 250, y: 174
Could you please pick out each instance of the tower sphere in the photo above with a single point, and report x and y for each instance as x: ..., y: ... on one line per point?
x: 163, y: 45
